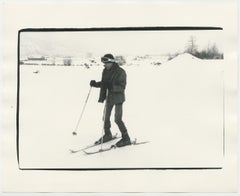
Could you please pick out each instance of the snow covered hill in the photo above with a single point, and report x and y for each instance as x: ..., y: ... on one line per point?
x: 177, y: 106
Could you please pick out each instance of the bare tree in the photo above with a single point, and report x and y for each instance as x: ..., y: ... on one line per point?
x: 192, y: 46
x: 121, y: 60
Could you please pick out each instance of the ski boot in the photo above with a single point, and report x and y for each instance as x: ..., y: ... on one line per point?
x: 124, y: 141
x: 107, y: 137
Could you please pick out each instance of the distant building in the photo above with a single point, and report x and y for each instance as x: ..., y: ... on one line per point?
x: 67, y: 61
x: 36, y: 58
x: 60, y: 61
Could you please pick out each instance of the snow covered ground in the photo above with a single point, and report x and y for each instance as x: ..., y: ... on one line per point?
x: 177, y: 106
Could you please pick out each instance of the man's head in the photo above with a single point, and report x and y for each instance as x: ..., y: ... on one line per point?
x: 108, y: 60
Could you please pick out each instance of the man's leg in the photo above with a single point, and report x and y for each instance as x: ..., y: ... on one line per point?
x: 107, y: 115
x: 118, y: 119
x: 107, y: 124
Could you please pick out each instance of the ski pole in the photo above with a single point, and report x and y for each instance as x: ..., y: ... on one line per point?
x: 104, y: 114
x: 75, y: 132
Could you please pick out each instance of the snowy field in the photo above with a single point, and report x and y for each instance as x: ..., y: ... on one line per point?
x: 177, y: 106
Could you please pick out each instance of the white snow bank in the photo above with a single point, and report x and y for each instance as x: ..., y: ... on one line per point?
x: 185, y: 57
x: 177, y: 106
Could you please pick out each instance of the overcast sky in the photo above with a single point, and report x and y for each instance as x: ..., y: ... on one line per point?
x: 117, y: 43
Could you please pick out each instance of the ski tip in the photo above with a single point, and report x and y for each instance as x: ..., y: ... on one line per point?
x: 72, y: 151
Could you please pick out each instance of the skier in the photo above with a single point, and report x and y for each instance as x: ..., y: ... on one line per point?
x: 112, y: 89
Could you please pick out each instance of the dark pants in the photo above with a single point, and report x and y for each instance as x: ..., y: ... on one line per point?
x: 118, y: 118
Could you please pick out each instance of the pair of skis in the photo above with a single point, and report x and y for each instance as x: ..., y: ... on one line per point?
x: 93, y: 145
x: 113, y: 147
x: 104, y: 149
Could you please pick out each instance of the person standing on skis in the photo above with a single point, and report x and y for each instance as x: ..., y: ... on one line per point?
x: 112, y: 89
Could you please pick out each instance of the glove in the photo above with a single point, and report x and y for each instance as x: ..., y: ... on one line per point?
x: 93, y: 83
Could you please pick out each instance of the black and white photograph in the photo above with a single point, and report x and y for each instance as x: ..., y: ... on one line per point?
x: 120, y: 97
x: 145, y: 98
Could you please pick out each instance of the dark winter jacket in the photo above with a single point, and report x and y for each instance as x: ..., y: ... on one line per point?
x: 112, y: 85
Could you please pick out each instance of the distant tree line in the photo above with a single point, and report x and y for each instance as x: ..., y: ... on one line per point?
x: 210, y: 52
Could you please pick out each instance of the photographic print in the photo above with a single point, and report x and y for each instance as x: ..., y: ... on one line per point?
x: 120, y: 98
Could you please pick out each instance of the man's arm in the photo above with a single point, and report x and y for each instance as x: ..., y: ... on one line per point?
x: 98, y: 84
x: 95, y: 84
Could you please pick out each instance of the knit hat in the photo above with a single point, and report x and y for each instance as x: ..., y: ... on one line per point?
x: 107, y: 58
